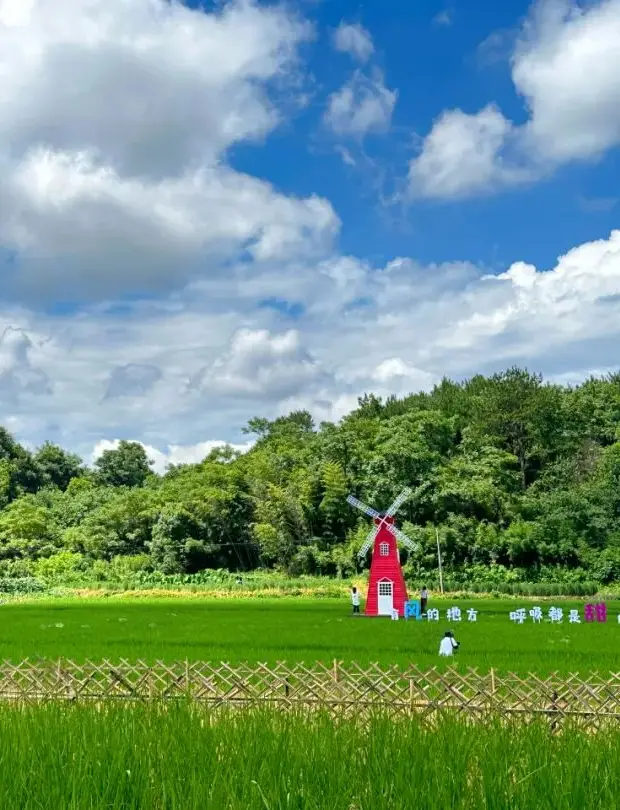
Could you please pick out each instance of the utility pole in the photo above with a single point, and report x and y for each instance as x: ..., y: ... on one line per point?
x: 439, y: 559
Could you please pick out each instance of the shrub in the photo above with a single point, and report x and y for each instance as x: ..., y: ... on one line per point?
x: 21, y: 585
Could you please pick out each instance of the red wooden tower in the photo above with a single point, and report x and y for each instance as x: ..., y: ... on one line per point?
x: 386, y: 589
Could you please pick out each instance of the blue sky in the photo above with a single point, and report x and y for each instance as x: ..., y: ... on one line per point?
x: 210, y: 212
x: 435, y: 66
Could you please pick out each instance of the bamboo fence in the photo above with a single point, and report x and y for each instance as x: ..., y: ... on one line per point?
x: 591, y: 701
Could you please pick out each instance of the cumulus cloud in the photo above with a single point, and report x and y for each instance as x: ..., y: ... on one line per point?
x: 390, y: 329
x: 115, y: 121
x: 157, y: 86
x: 354, y: 40
x: 463, y: 154
x: 361, y: 106
x: 132, y: 379
x: 566, y: 67
x: 394, y: 368
x: 19, y: 374
x: 95, y: 233
x: 259, y: 364
x: 173, y: 455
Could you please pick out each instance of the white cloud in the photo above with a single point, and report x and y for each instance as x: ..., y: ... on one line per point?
x: 566, y: 66
x: 354, y: 40
x: 361, y: 106
x: 115, y: 120
x: 19, y: 375
x: 260, y: 365
x: 394, y: 368
x: 443, y: 18
x: 151, y: 85
x: 463, y: 154
x: 174, y: 454
x: 64, y: 209
x: 388, y: 330
x: 132, y: 379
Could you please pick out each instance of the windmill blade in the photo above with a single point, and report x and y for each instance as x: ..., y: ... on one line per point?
x: 368, y: 542
x: 407, y: 541
x: 369, y: 511
x: 398, y: 502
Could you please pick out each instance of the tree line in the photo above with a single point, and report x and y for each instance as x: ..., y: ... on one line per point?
x: 519, y: 478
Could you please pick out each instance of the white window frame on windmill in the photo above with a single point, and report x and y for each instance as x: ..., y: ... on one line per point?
x: 384, y: 549
x: 385, y: 601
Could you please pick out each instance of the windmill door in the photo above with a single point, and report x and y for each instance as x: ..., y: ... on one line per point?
x: 386, y: 597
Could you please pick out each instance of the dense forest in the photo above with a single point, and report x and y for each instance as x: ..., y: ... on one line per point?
x: 520, y: 478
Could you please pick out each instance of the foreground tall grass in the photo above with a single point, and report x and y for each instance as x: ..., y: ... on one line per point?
x: 180, y: 758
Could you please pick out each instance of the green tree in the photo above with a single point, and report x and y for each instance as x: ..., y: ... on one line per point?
x: 280, y: 528
x: 333, y: 506
x: 595, y: 406
x: 477, y: 482
x: 57, y: 467
x: 173, y: 543
x: 121, y: 525
x: 26, y: 530
x: 408, y: 450
x: 125, y: 466
x: 521, y: 415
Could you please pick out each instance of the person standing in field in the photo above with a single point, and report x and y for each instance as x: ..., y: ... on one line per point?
x: 448, y: 644
x: 423, y: 599
x: 355, y: 601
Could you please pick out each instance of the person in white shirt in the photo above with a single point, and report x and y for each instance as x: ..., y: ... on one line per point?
x: 355, y: 601
x: 423, y: 600
x: 448, y: 644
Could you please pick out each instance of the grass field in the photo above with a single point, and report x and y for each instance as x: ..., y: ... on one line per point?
x: 147, y: 758
x: 292, y: 631
x: 174, y: 756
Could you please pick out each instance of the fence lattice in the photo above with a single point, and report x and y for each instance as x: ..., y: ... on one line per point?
x: 591, y: 700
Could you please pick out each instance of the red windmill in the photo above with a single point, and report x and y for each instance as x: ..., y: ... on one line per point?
x: 386, y: 590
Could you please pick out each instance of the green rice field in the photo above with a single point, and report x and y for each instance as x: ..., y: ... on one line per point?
x: 144, y: 757
x: 287, y: 630
x: 177, y: 756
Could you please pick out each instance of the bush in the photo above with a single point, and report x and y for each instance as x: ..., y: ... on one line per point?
x: 63, y: 567
x: 543, y: 589
x: 21, y: 585
x: 12, y: 569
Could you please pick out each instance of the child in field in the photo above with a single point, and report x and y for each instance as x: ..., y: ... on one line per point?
x: 355, y: 601
x: 448, y: 644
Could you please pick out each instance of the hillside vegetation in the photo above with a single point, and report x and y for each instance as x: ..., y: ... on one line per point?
x: 521, y: 479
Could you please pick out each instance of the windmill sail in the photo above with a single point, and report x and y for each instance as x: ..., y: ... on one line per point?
x: 367, y: 509
x: 407, y: 541
x: 398, y: 502
x: 383, y: 521
x: 368, y: 542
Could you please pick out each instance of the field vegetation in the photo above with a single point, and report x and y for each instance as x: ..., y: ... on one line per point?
x: 288, y: 630
x: 179, y: 757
